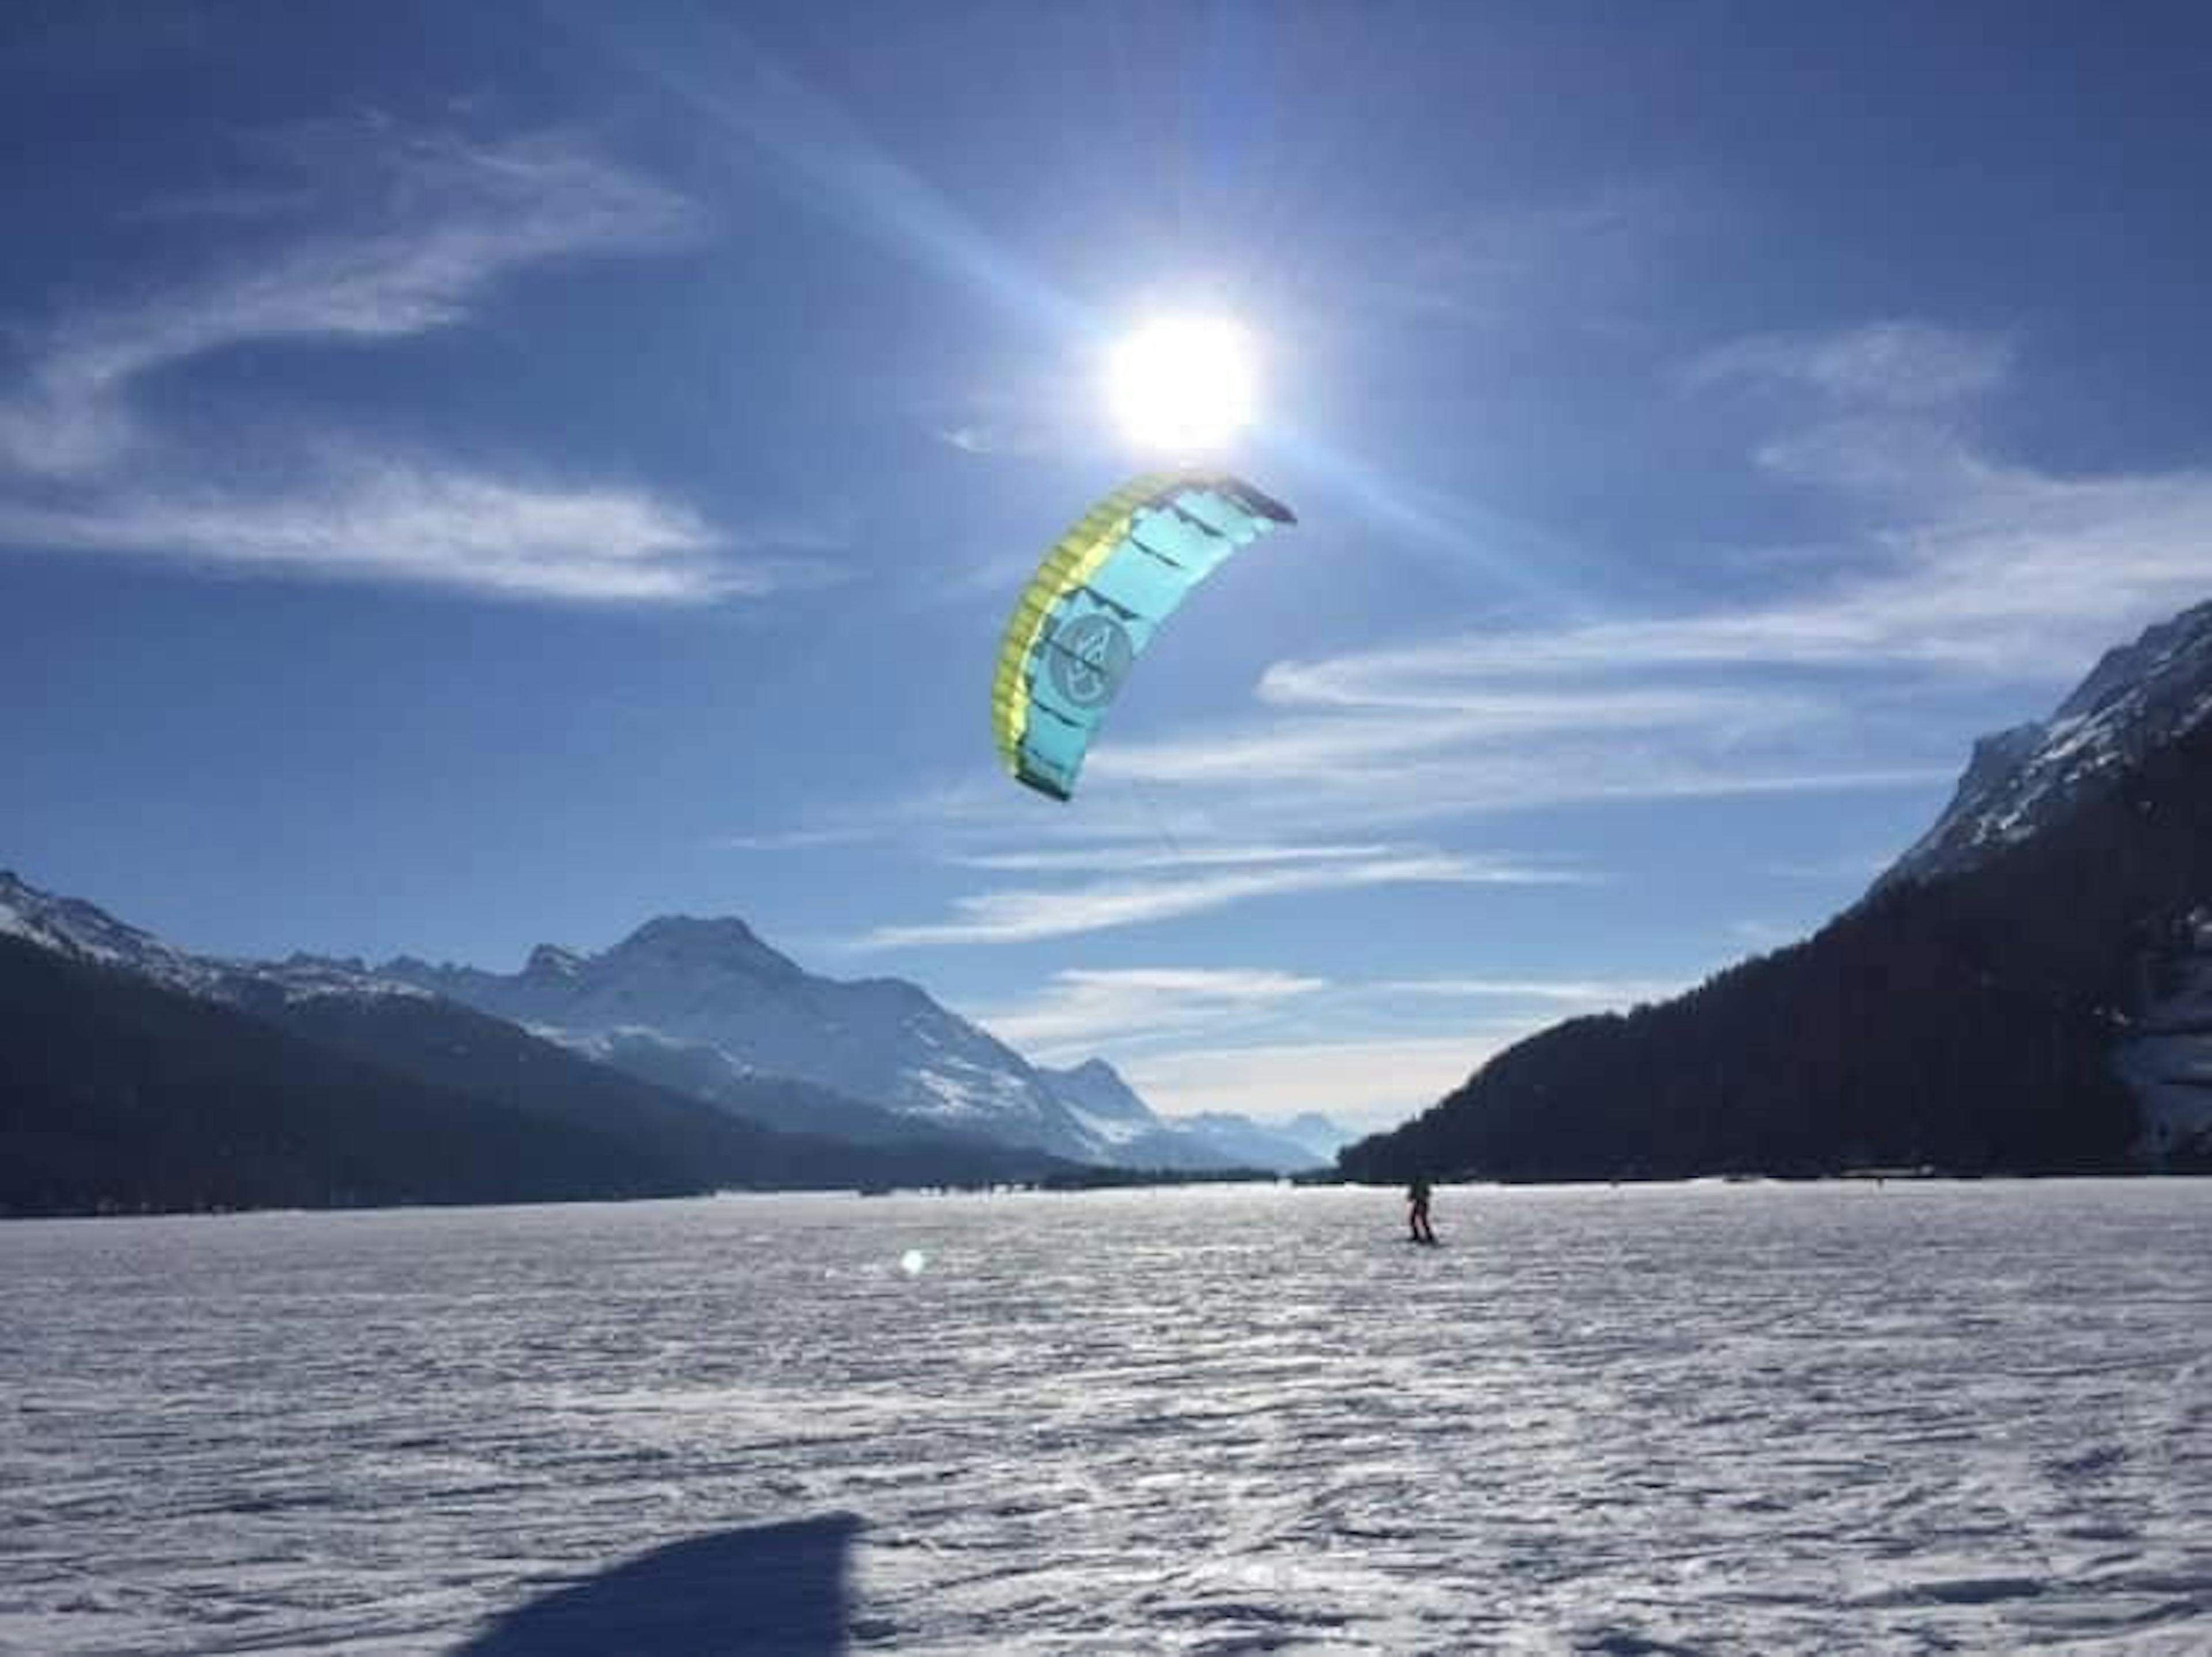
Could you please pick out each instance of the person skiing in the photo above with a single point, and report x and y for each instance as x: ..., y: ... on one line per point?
x: 1417, y: 1214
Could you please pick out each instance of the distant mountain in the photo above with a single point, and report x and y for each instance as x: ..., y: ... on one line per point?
x: 697, y: 1003
x: 1314, y: 1132
x: 2028, y: 990
x: 1307, y: 1142
x: 1122, y: 1124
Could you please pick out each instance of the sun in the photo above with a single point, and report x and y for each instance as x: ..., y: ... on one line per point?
x: 1184, y: 386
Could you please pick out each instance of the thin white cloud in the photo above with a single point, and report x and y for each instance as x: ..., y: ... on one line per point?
x: 1855, y: 867
x: 408, y: 234
x: 1377, y: 720
x: 1026, y: 915
x: 1590, y: 992
x: 1575, y: 259
x: 1080, y: 1013
x: 377, y: 517
x: 1098, y: 859
x: 1450, y: 783
x: 429, y: 223
x: 795, y: 840
x: 1902, y: 363
x: 1763, y: 934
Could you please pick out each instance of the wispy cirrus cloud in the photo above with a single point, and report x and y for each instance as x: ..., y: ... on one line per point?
x: 359, y: 516
x: 1577, y: 258
x: 797, y: 839
x: 1099, y: 860
x: 1346, y: 723
x: 1078, y: 1014
x: 1902, y: 363
x: 384, y: 235
x: 971, y: 439
x: 411, y: 234
x: 1026, y: 914
x: 1572, y: 992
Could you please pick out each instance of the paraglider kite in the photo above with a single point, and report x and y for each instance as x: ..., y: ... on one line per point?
x: 1095, y: 602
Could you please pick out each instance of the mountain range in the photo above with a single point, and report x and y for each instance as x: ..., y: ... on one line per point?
x: 722, y: 1057
x: 2026, y: 989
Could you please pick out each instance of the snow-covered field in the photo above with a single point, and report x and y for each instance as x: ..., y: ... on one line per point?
x: 1711, y: 1417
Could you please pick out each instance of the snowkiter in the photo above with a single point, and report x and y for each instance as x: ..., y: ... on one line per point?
x: 1417, y: 1214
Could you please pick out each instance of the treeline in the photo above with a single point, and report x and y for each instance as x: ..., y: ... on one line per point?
x: 1087, y: 1178
x: 1967, y: 1023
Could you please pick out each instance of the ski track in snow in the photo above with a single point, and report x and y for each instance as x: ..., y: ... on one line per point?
x: 1719, y: 1418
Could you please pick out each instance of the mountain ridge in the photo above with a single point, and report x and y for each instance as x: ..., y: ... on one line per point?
x: 655, y: 1003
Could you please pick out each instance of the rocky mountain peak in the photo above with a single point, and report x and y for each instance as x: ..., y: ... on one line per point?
x: 2139, y: 697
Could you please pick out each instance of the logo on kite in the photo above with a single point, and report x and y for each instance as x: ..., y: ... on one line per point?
x: 1090, y: 656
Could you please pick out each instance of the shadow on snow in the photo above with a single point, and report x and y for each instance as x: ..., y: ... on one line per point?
x: 769, y: 1588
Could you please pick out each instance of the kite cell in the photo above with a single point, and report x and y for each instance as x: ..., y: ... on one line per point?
x: 1095, y: 602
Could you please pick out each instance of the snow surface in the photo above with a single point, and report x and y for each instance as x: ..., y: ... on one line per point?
x: 1719, y: 1418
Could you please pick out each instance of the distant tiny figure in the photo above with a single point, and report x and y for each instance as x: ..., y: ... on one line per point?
x: 1417, y: 1213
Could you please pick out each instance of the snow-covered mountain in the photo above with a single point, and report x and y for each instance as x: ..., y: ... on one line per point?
x: 1111, y: 1111
x: 713, y: 984
x: 2140, y: 697
x: 83, y: 932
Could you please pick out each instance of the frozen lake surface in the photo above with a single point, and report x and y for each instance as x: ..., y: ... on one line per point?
x: 1719, y: 1419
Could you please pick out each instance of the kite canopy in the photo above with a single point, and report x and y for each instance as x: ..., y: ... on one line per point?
x: 1095, y: 602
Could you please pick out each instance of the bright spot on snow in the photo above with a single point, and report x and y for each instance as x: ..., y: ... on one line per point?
x: 912, y: 1261
x: 1185, y: 384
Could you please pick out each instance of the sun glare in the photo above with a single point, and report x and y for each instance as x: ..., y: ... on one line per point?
x: 1184, y: 385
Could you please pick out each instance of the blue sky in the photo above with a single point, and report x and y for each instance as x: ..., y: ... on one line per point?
x: 478, y: 476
